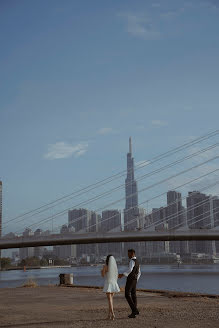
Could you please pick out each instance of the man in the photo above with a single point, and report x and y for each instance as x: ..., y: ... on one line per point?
x: 133, y: 274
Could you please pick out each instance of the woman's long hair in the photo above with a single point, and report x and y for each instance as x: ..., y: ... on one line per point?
x: 107, y: 259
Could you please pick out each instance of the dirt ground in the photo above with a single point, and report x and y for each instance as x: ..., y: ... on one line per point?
x: 85, y: 307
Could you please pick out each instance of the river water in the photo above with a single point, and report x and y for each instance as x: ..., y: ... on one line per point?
x: 187, y: 278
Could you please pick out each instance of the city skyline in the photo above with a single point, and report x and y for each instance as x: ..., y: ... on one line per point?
x: 171, y: 216
x: 69, y: 104
x: 131, y: 208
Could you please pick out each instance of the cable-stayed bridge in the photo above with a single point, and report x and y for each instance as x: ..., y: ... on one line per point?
x: 197, y: 226
x: 99, y: 237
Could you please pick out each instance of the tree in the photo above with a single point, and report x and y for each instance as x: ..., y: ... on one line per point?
x: 30, y: 261
x: 5, y: 262
x: 43, y: 262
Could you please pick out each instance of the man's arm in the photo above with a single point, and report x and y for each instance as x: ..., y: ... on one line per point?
x: 139, y: 273
x: 130, y: 268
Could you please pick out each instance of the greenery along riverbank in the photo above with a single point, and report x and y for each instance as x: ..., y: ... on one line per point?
x: 31, y: 262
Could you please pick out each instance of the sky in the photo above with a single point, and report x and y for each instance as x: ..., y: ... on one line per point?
x: 77, y: 78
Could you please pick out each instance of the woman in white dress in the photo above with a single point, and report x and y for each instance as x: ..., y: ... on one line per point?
x: 110, y: 273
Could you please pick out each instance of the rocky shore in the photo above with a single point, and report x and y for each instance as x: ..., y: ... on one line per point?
x: 78, y: 307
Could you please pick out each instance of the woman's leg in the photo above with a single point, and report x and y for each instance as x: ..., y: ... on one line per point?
x: 113, y: 315
x: 111, y: 305
x: 109, y: 302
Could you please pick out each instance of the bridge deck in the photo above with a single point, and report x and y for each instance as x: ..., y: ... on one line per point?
x: 99, y: 237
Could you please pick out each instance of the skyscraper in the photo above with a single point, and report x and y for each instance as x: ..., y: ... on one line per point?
x: 198, y: 217
x: 65, y: 251
x: 27, y: 251
x: 83, y: 221
x: 176, y: 218
x: 131, y: 192
x: 131, y: 211
x: 110, y: 222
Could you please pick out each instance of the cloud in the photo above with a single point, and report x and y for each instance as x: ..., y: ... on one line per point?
x: 64, y: 150
x: 159, y: 123
x: 140, y: 26
x: 104, y: 131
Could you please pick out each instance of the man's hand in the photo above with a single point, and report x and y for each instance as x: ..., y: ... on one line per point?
x: 120, y: 275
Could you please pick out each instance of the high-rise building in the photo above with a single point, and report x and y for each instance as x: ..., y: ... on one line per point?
x: 65, y: 251
x: 83, y: 221
x: 174, y: 209
x: 38, y: 251
x: 110, y: 222
x: 80, y: 219
x: 215, y: 220
x: 27, y: 251
x: 175, y: 219
x: 199, y: 217
x: 158, y: 219
x: 215, y: 201
x: 131, y: 212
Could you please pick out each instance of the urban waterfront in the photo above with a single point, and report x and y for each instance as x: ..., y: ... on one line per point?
x: 186, y: 278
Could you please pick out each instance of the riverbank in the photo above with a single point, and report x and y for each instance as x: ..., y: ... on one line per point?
x: 35, y: 267
x: 87, y: 307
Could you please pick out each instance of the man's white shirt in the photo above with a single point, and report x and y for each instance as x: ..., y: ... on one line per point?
x: 130, y: 268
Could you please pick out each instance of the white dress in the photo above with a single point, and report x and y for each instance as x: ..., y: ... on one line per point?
x: 111, y: 276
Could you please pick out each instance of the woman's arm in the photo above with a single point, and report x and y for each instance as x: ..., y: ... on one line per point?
x: 104, y: 270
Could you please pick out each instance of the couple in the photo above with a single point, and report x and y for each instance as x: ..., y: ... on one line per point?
x: 110, y: 273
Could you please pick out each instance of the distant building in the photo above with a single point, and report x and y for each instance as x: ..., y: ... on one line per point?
x: 27, y: 251
x: 83, y: 221
x: 174, y: 209
x: 198, y: 217
x: 111, y: 219
x: 215, y: 220
x: 176, y: 217
x: 65, y: 251
x: 215, y: 204
x: 80, y: 219
x: 38, y: 251
x: 110, y: 222
x: 157, y: 219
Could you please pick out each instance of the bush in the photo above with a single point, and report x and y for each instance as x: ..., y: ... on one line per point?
x: 5, y: 262
x: 43, y: 262
x: 30, y: 283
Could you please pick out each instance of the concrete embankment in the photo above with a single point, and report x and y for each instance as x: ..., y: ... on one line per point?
x: 79, y: 307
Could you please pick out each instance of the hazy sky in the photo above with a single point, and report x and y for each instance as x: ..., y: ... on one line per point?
x: 77, y: 78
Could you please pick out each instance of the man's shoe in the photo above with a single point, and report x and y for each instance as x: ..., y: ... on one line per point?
x: 132, y: 315
x: 136, y: 312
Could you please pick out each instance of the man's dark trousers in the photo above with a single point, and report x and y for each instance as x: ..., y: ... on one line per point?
x: 130, y: 294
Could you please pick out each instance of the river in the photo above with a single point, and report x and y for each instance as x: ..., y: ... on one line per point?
x: 186, y: 278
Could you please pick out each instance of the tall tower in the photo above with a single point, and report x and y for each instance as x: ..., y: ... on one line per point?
x: 131, y: 211
x: 131, y: 192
